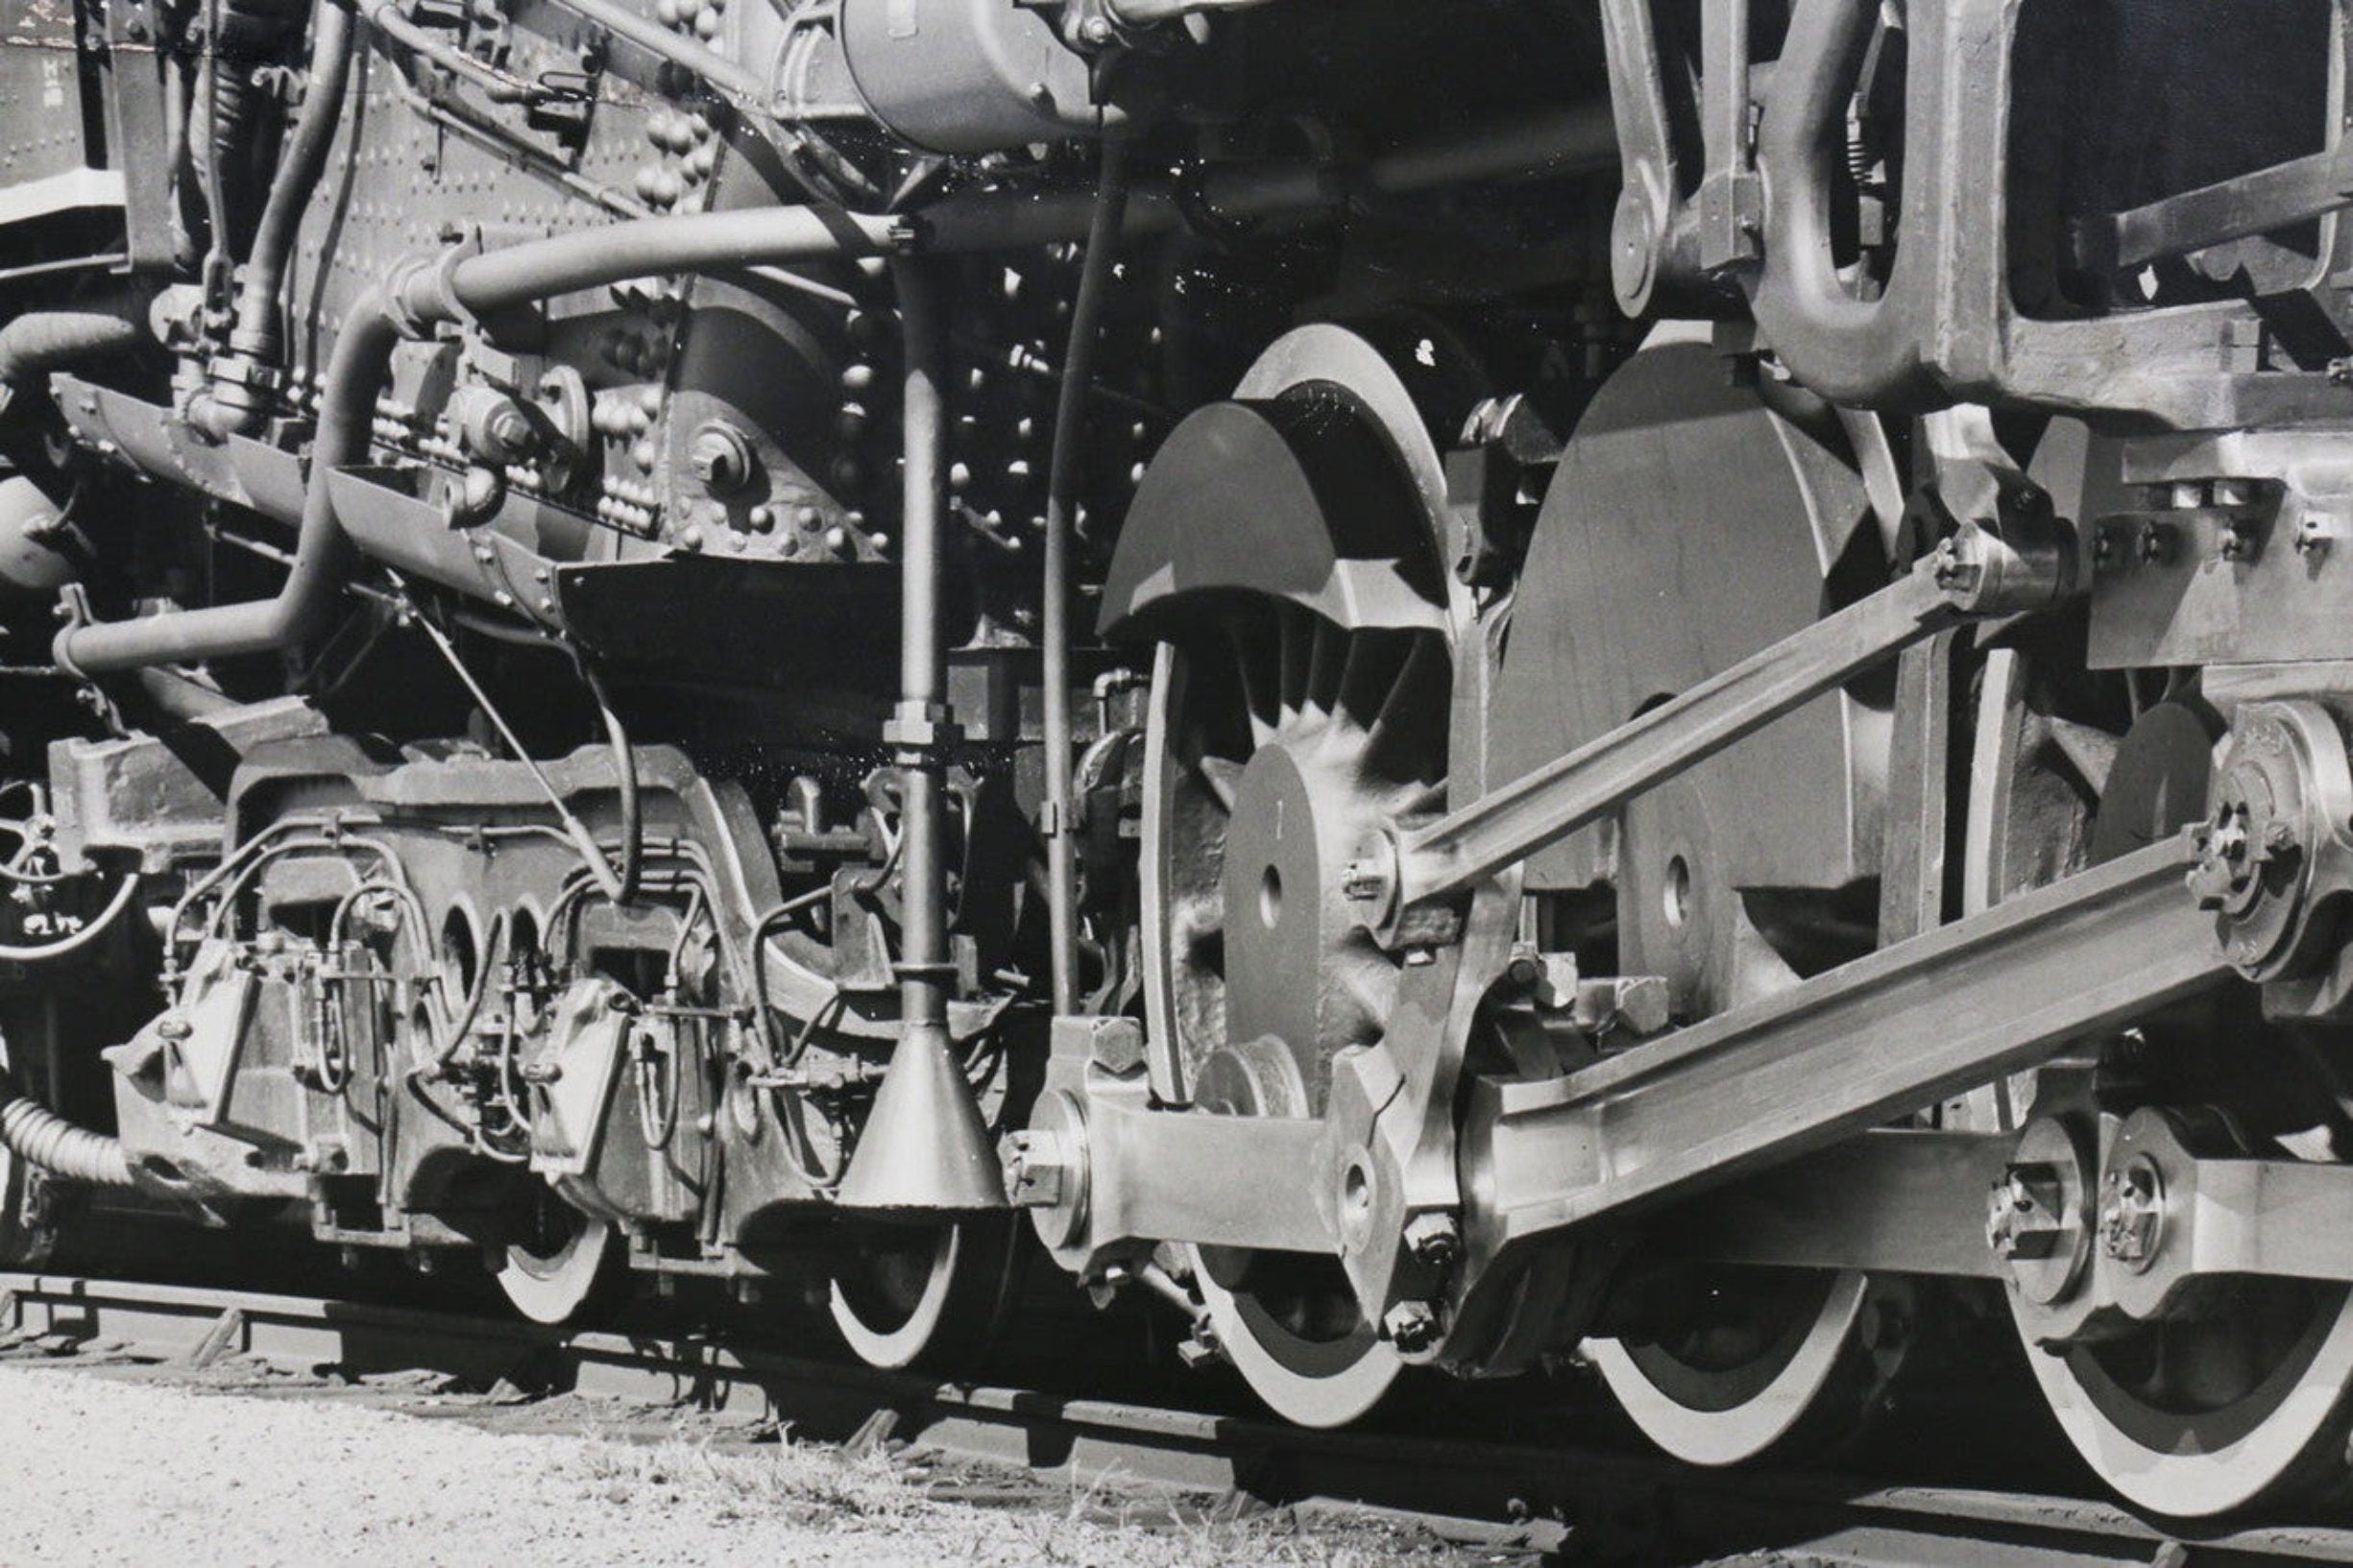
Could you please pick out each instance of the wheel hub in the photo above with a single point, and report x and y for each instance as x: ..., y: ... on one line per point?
x: 1293, y: 966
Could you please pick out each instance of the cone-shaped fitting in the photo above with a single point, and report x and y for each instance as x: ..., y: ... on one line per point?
x: 924, y: 1148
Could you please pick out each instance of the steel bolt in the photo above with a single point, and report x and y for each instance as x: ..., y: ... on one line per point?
x: 1412, y: 1326
x: 2132, y: 1212
x: 1034, y: 1169
x: 1365, y: 880
x: 2022, y: 1222
x: 721, y: 458
x: 1434, y: 1239
x: 1201, y: 1348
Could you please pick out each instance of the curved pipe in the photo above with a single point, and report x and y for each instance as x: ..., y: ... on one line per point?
x: 42, y: 341
x: 250, y: 32
x: 455, y: 288
x: 40, y: 1136
x: 333, y: 34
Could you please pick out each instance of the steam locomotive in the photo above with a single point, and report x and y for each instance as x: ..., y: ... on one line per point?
x: 1450, y: 681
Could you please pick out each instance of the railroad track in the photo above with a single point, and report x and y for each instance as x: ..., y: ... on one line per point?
x: 1577, y: 1504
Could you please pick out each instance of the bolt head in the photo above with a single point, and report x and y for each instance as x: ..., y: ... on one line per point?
x: 1434, y: 1239
x: 1412, y: 1326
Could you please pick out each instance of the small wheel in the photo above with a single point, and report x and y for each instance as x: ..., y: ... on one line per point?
x: 1765, y: 1362
x: 926, y: 1294
x: 555, y: 1261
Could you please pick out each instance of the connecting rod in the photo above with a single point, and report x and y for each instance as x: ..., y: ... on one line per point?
x: 1845, y: 1051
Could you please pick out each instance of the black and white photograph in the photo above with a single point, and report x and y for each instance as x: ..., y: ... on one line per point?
x: 1164, y: 783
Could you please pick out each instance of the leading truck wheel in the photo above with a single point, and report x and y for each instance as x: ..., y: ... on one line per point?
x: 928, y: 1295
x: 554, y: 1259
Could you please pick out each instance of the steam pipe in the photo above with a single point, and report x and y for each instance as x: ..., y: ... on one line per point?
x: 42, y: 341
x: 923, y: 970
x: 40, y: 1136
x: 1062, y: 481
x: 658, y: 41
x: 347, y: 410
x: 456, y: 287
x: 333, y: 34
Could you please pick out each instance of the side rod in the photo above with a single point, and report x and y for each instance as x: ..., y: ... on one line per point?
x: 1847, y: 1049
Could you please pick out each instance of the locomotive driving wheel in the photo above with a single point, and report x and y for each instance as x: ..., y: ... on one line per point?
x: 1280, y: 732
x: 2241, y: 1391
x: 1273, y: 747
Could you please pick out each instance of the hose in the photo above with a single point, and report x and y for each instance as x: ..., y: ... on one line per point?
x: 40, y: 1136
x: 230, y: 406
x: 1061, y: 486
x: 248, y: 35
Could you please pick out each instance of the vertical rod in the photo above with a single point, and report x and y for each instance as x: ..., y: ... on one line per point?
x: 918, y: 730
x: 1062, y: 481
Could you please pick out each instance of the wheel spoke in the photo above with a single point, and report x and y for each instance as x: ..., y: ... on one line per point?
x: 1325, y: 664
x: 1262, y: 705
x: 1219, y: 776
x: 1403, y: 730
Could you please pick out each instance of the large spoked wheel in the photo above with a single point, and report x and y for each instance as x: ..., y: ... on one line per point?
x: 1277, y: 737
x: 1274, y: 750
x: 1277, y: 740
x: 930, y: 1295
x: 555, y: 1259
x: 2246, y: 1394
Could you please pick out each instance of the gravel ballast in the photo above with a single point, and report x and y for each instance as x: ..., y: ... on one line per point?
x: 123, y: 1474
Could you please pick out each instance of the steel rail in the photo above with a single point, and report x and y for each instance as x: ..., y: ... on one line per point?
x: 1532, y: 1496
